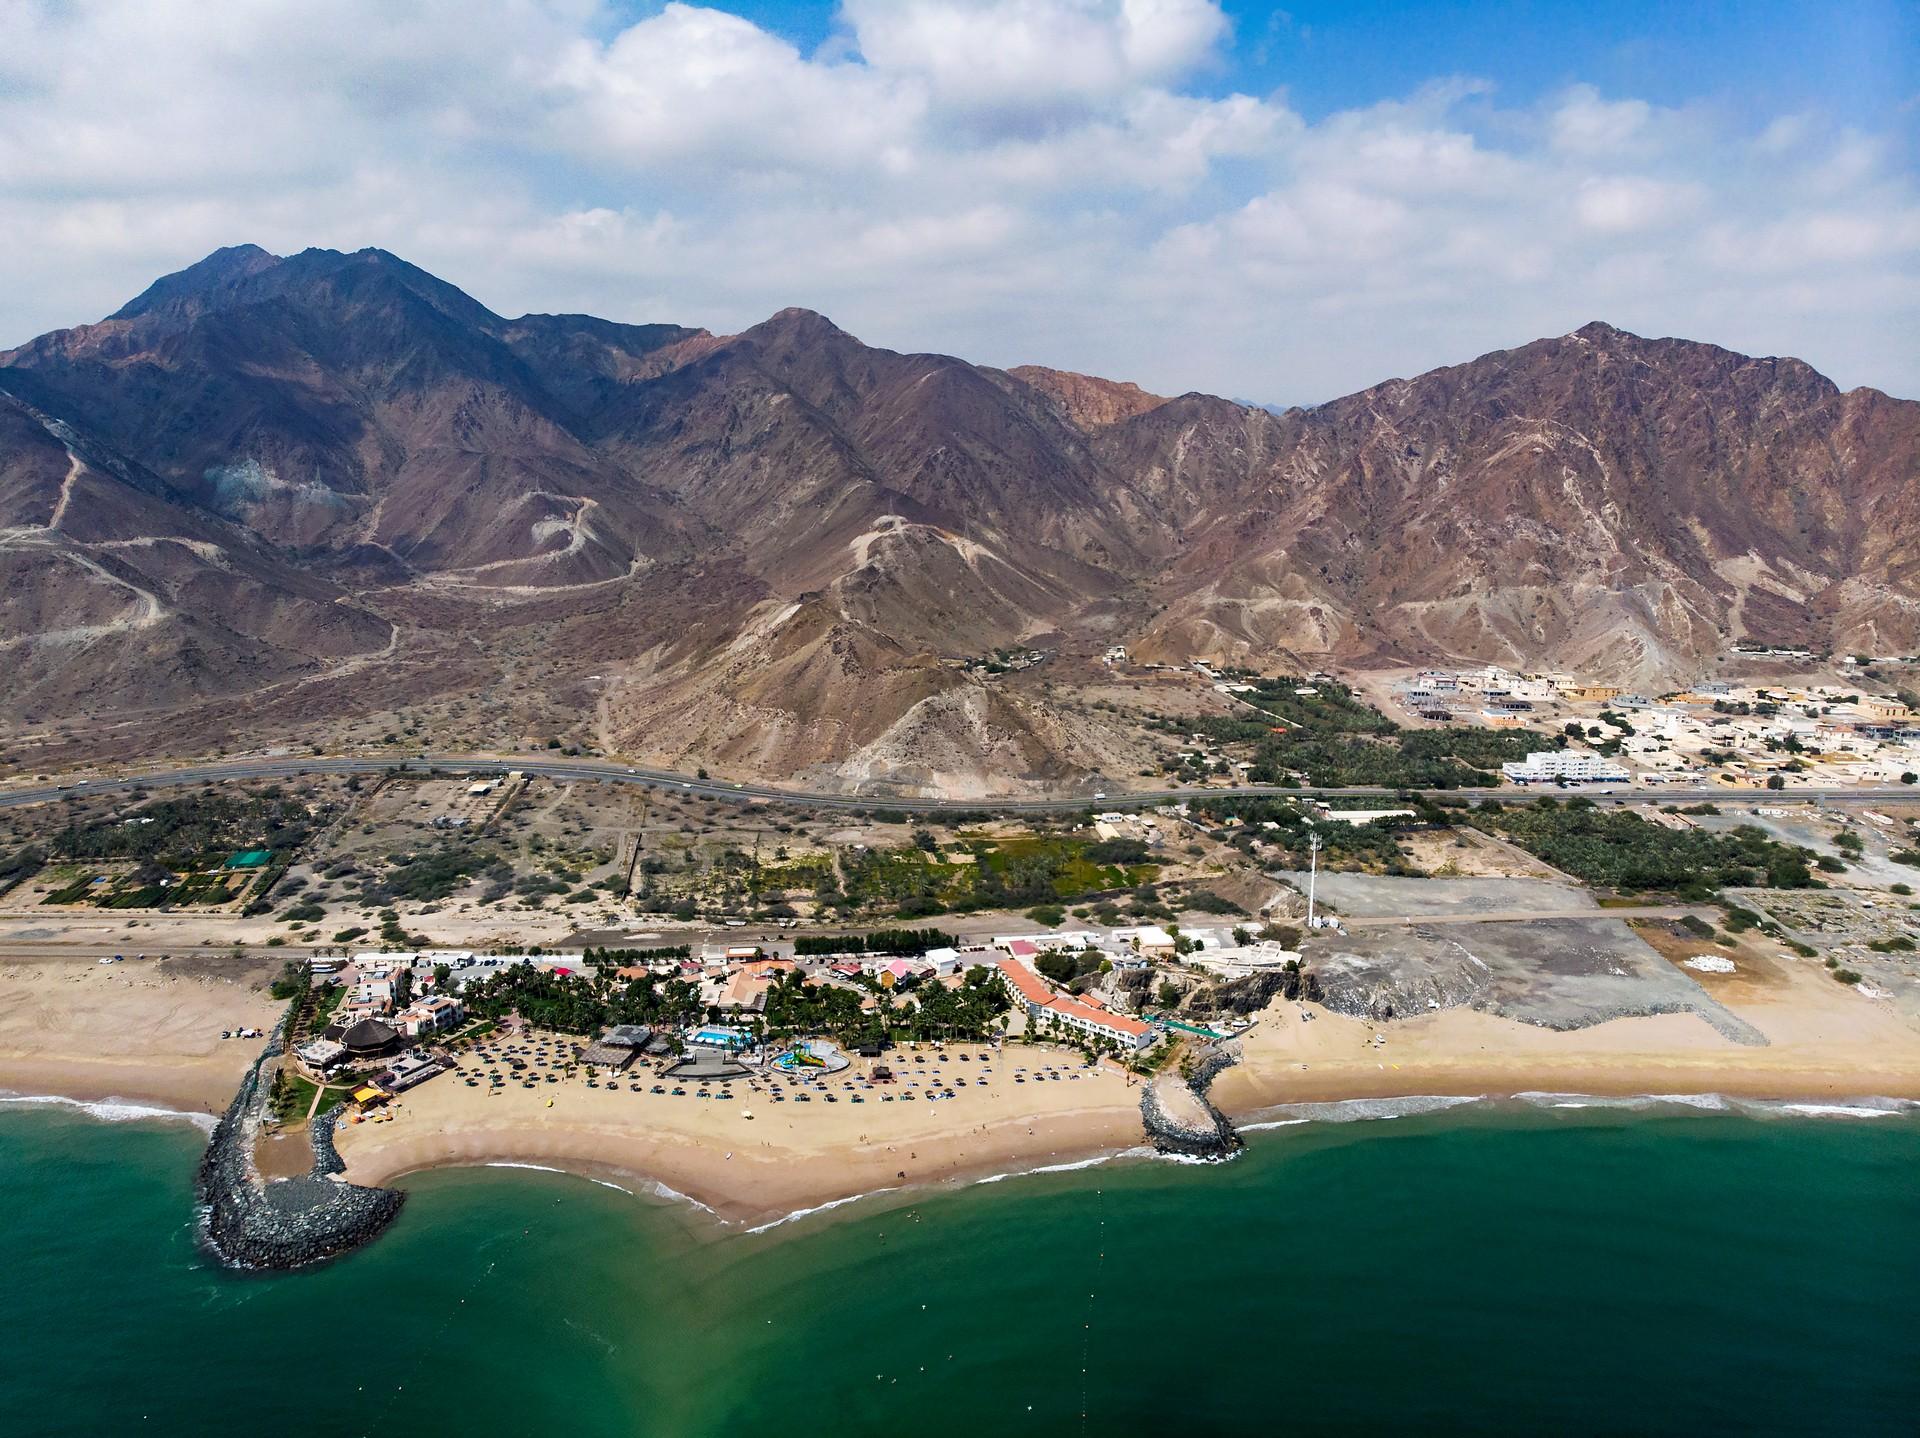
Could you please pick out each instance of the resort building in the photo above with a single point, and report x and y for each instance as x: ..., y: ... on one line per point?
x: 434, y: 1014
x: 321, y: 1056
x: 1050, y: 1011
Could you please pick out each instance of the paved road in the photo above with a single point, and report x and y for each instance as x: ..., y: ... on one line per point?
x: 1086, y: 797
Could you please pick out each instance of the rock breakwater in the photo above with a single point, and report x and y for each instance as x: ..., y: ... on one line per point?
x: 1178, y: 1117
x: 289, y: 1222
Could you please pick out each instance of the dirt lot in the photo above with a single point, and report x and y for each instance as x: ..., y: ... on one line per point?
x: 1469, y: 854
x: 1368, y: 895
x: 1556, y: 973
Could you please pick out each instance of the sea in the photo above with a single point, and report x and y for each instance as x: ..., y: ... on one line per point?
x: 1552, y: 1267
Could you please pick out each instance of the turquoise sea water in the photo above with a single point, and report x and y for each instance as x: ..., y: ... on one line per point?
x: 1481, y: 1271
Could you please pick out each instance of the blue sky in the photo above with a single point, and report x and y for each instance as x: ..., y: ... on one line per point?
x: 1855, y: 60
x: 1276, y: 203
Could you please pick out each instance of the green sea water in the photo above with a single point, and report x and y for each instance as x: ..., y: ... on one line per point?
x: 1482, y: 1271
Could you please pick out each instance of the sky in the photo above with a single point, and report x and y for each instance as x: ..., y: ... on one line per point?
x: 1276, y: 204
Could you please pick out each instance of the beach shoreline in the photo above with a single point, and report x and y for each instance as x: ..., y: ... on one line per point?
x: 149, y: 1040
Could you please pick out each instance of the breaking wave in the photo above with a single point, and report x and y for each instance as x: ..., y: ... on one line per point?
x: 112, y: 1110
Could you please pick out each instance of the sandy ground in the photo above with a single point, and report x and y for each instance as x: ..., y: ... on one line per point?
x: 150, y: 1032
x: 788, y: 1156
x: 1824, y: 1041
x: 144, y: 1031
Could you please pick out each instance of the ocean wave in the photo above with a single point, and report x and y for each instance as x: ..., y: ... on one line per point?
x: 652, y: 1187
x: 656, y: 1189
x: 1866, y: 1107
x: 1858, y: 1108
x: 1359, y: 1110
x: 1631, y: 1103
x: 1072, y: 1167
x: 819, y: 1208
x: 112, y: 1110
x: 1271, y: 1123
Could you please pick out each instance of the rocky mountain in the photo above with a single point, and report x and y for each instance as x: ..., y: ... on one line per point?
x: 331, y: 485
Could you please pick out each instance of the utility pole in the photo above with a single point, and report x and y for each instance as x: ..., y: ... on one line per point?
x: 1313, y: 869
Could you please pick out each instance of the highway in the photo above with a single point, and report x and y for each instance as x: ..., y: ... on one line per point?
x: 606, y: 771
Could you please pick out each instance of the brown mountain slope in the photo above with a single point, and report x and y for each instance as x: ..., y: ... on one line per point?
x: 1596, y: 501
x: 1084, y: 401
x: 265, y: 475
x: 112, y: 598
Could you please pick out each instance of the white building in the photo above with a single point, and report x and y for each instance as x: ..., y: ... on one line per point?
x: 1363, y: 816
x: 1050, y: 1011
x: 1552, y: 766
x: 1240, y: 960
x: 432, y: 1015
x: 1146, y: 938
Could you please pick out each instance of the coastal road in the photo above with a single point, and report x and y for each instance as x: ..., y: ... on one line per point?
x: 589, y: 770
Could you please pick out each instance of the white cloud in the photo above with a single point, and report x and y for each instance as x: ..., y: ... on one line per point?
x: 1024, y: 53
x: 1055, y: 180
x: 1621, y: 204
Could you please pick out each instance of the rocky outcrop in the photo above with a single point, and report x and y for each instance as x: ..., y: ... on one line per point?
x: 289, y: 1222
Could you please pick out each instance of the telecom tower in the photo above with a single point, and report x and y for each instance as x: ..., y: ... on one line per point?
x: 1313, y: 870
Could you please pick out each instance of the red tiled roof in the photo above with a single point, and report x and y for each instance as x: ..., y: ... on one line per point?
x: 1036, y: 990
x: 1030, y: 985
x: 1119, y: 1023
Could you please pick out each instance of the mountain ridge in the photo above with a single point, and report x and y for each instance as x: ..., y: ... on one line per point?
x: 776, y: 545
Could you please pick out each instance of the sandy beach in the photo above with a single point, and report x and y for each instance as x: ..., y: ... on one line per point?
x: 145, y: 1031
x: 1825, y: 1040
x: 788, y: 1156
x: 149, y: 1032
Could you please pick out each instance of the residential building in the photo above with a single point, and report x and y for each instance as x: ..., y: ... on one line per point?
x: 1572, y: 766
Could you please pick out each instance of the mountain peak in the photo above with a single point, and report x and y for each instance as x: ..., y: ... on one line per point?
x: 797, y: 324
x: 1600, y: 330
x: 191, y: 289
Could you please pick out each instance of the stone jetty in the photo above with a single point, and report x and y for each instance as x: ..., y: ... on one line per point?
x: 288, y: 1222
x: 1178, y: 1116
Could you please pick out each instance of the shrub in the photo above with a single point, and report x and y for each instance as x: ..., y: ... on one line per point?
x: 1208, y: 902
x: 292, y: 979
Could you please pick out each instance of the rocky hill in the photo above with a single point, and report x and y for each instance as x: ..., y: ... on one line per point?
x: 332, y: 483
